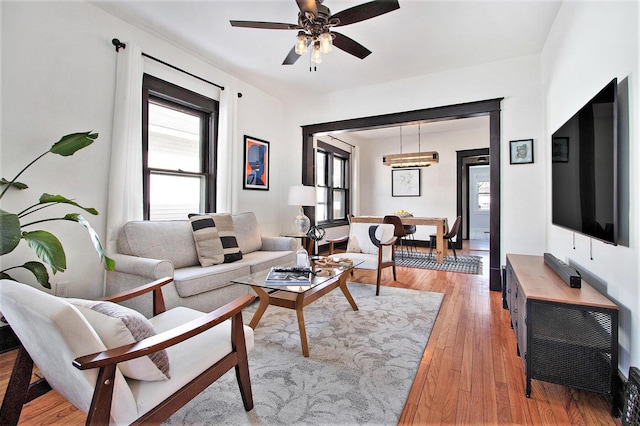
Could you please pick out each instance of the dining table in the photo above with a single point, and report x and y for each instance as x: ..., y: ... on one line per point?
x: 440, y: 224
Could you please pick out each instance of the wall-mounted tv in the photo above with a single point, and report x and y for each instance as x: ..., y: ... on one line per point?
x: 584, y: 169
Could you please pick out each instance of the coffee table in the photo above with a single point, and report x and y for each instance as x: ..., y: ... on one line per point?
x: 298, y: 296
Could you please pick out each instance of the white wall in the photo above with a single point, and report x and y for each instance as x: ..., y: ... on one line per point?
x: 58, y: 77
x: 590, y: 44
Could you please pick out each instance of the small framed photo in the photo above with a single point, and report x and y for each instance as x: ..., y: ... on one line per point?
x: 521, y: 151
x: 560, y: 150
x: 256, y: 164
x: 405, y: 183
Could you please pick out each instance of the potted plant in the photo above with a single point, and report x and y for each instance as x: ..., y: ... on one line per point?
x: 17, y: 227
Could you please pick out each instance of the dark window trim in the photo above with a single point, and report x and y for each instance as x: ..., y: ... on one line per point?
x: 346, y: 156
x: 185, y: 100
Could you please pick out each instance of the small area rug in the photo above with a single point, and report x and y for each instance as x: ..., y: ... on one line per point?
x: 465, y: 264
x: 361, y: 365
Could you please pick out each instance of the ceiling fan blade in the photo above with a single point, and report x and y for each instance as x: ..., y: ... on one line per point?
x: 308, y: 6
x: 292, y: 57
x: 351, y: 46
x: 365, y: 11
x: 265, y: 25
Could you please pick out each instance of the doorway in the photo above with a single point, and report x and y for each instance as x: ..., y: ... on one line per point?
x: 478, y: 206
x: 474, y: 196
x: 490, y: 108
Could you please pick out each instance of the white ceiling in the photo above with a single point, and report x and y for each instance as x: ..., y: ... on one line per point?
x: 421, y: 37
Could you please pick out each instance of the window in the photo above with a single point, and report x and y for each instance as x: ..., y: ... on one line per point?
x: 332, y: 182
x: 179, y: 145
x: 483, y: 193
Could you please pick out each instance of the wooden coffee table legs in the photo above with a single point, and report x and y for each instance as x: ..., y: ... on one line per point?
x: 298, y: 301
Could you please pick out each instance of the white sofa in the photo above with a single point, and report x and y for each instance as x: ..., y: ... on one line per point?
x: 149, y: 250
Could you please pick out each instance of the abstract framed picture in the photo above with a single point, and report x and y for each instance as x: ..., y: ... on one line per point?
x: 256, y: 164
x: 521, y: 151
x: 405, y: 183
x: 560, y: 150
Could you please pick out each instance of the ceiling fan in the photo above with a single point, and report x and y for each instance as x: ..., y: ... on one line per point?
x: 315, y: 22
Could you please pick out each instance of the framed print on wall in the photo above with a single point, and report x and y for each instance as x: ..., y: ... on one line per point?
x: 256, y: 163
x: 521, y: 151
x: 405, y: 183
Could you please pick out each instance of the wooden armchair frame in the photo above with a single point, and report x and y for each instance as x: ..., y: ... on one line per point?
x: 20, y: 390
x: 381, y: 264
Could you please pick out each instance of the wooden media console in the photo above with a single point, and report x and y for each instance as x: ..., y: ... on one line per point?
x: 567, y: 336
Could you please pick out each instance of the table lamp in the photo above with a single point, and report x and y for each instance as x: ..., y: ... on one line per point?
x: 300, y: 195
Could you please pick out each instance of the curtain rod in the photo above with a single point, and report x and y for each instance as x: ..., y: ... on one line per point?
x: 340, y: 140
x: 120, y: 45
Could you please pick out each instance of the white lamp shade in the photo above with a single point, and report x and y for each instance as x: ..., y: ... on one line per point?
x: 300, y: 195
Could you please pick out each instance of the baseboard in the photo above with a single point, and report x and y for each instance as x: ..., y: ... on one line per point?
x: 8, y: 339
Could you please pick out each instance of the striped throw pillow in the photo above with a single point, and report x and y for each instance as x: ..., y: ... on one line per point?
x: 215, y: 238
x: 207, y: 239
x: 227, y: 233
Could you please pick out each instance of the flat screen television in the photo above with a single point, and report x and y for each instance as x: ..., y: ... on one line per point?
x: 584, y: 169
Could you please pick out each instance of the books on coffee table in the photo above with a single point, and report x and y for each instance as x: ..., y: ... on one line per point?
x: 279, y: 275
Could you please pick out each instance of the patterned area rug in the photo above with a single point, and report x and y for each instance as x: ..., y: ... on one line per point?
x: 361, y: 365
x: 421, y: 259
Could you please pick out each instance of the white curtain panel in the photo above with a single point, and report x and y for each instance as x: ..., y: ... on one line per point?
x: 125, y: 175
x: 227, y: 189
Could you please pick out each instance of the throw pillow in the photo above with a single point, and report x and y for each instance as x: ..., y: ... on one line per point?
x: 116, y: 326
x: 353, y: 246
x: 207, y: 239
x: 224, y: 224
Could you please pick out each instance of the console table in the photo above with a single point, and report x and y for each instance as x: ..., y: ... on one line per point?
x: 565, y: 335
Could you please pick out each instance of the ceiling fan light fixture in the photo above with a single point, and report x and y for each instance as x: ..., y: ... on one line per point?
x: 326, y: 42
x: 301, y: 45
x: 316, y: 56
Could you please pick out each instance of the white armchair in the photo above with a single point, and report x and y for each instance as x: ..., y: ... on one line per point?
x: 75, y: 345
x: 373, y: 244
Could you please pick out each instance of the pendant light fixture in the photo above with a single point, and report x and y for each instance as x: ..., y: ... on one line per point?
x: 415, y: 159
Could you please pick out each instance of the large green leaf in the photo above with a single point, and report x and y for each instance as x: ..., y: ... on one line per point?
x: 48, y: 248
x: 48, y: 198
x: 9, y: 232
x: 40, y: 272
x: 108, y: 262
x: 36, y: 268
x: 73, y: 142
x: 17, y: 185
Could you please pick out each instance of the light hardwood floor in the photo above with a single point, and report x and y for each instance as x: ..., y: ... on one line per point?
x: 469, y: 373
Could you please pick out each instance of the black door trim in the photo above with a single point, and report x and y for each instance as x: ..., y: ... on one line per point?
x: 490, y: 107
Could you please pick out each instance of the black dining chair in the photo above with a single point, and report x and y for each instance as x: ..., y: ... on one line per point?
x: 409, y: 231
x: 399, y: 231
x: 448, y: 236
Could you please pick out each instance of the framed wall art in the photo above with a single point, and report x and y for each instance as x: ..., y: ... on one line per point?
x: 256, y: 164
x: 405, y: 183
x: 521, y: 151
